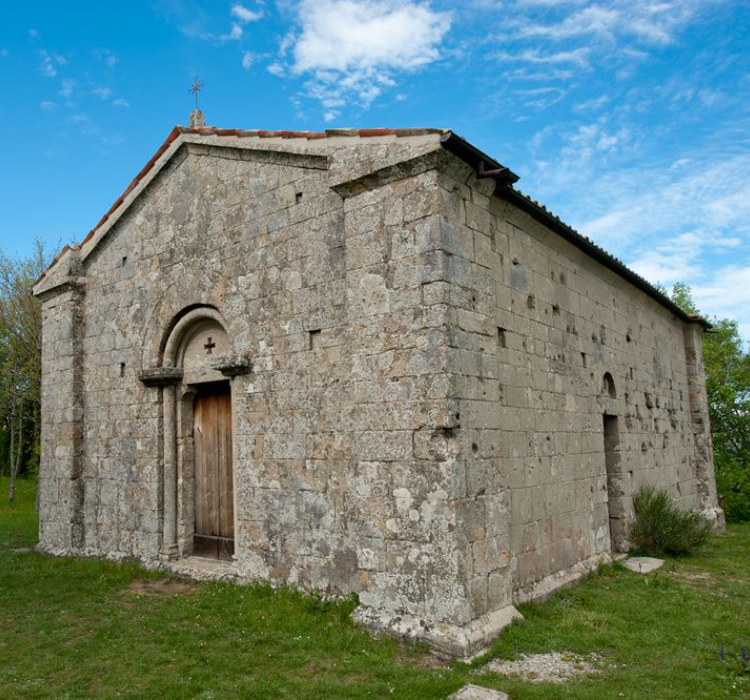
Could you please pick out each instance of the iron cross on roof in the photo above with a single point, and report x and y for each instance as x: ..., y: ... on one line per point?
x: 195, y: 88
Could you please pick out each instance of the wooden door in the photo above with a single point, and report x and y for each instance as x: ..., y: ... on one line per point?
x: 214, y: 491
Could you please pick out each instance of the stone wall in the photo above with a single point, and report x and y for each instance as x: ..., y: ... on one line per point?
x: 539, y: 324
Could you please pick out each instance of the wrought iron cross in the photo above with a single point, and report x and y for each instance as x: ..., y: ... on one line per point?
x: 210, y: 345
x: 195, y: 88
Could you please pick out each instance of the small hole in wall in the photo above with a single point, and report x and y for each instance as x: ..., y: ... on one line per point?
x: 628, y: 337
x: 474, y: 447
x: 298, y: 197
x: 555, y: 309
x: 516, y: 261
x: 562, y: 278
x: 584, y: 360
x: 122, y: 369
x: 315, y: 339
x: 632, y: 373
x: 501, y: 338
x: 124, y: 260
x: 530, y: 301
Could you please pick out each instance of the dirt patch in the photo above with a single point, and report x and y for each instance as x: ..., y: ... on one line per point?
x: 418, y: 656
x: 554, y: 667
x: 169, y: 587
x: 696, y: 576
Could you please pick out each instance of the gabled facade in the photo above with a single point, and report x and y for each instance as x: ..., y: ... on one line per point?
x: 359, y: 361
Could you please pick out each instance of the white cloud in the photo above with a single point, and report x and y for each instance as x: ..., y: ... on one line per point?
x: 244, y: 15
x: 347, y: 36
x: 67, y: 87
x: 119, y: 102
x: 248, y: 58
x: 47, y: 66
x: 34, y: 33
x: 351, y: 49
x: 47, y: 106
x: 234, y: 35
x: 103, y: 93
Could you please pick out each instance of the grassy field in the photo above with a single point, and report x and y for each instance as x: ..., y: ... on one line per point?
x: 82, y: 628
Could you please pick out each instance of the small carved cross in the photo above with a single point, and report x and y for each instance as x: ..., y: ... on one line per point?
x: 210, y: 345
x: 195, y: 88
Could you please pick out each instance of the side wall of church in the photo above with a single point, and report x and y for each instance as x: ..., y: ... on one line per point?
x: 540, y: 324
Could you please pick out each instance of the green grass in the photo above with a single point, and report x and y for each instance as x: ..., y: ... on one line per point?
x: 70, y: 629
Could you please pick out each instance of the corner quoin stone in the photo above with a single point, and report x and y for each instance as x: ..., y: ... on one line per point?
x: 441, y: 398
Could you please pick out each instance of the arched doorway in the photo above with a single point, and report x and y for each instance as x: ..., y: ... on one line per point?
x: 616, y: 491
x: 195, y: 374
x: 204, y: 436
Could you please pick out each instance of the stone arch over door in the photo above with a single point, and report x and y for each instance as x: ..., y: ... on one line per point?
x: 196, y: 353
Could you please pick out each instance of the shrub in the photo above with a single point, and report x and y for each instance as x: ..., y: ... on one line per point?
x: 662, y: 527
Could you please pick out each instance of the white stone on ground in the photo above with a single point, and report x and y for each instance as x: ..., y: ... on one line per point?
x: 554, y: 667
x: 477, y: 692
x: 643, y: 565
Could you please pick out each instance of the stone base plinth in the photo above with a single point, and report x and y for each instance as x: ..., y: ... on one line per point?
x: 451, y: 641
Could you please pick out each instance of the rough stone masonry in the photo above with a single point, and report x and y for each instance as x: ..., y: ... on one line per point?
x: 429, y: 390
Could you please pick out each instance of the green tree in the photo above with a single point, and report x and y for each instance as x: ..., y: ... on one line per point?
x: 20, y: 363
x: 727, y: 365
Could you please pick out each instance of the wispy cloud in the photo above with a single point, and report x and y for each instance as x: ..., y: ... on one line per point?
x: 106, y: 56
x: 47, y: 106
x: 66, y: 88
x: 248, y: 58
x: 47, y: 64
x: 103, y: 93
x: 643, y: 20
x: 578, y: 57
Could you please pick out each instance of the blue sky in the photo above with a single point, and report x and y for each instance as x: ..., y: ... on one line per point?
x: 629, y: 119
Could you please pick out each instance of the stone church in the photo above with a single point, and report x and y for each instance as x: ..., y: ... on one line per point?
x: 359, y: 361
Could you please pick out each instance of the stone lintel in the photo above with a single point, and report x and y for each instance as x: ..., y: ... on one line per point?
x: 160, y: 376
x: 233, y: 365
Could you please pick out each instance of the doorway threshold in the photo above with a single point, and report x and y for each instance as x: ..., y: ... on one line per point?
x: 204, y: 569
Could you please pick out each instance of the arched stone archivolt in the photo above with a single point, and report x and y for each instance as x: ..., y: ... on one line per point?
x: 608, y: 386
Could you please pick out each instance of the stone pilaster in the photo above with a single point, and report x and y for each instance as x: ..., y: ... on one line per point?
x: 61, y: 483
x: 703, y: 460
